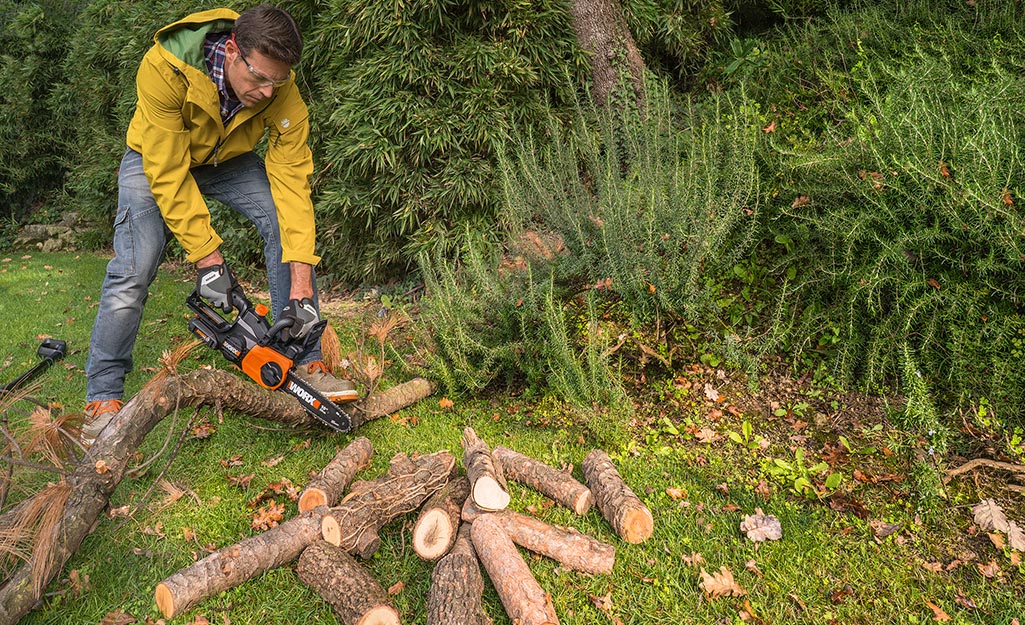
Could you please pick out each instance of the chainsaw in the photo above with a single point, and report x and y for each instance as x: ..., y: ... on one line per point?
x: 256, y: 347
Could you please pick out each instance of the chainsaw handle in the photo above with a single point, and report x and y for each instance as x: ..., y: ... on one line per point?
x: 276, y: 329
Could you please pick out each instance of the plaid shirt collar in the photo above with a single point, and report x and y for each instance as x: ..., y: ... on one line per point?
x: 213, y: 49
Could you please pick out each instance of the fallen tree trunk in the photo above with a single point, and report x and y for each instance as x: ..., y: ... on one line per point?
x: 487, y: 486
x: 550, y: 482
x: 228, y: 567
x: 354, y: 595
x: 618, y: 504
x: 91, y: 489
x: 369, y: 506
x: 327, y: 487
x: 457, y: 586
x: 524, y: 600
x: 438, y: 524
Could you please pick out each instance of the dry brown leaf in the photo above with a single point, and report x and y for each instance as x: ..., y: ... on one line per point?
x: 604, y: 605
x: 445, y: 403
x: 935, y: 567
x: 965, y: 602
x: 101, y: 467
x: 395, y: 588
x: 711, y: 393
x: 694, y: 559
x: 122, y: 511
x: 937, y: 612
x: 706, y: 435
x: 752, y: 566
x: 1014, y: 558
x: 1015, y: 536
x: 79, y: 581
x: 268, y: 516
x: 990, y: 516
x: 188, y: 534
x: 882, y: 529
x: 200, y: 620
x: 988, y: 570
x: 117, y: 618
x: 234, y: 461
x: 241, y: 481
x: 720, y: 584
x: 759, y: 526
x: 770, y: 128
x: 676, y: 493
x: 800, y: 200
x: 997, y: 540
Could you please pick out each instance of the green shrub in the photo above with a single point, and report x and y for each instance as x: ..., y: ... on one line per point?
x: 898, y: 205
x: 33, y: 41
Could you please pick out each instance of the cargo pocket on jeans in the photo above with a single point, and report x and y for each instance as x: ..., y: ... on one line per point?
x: 123, y: 263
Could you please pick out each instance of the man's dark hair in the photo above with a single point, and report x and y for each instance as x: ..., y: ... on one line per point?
x: 270, y: 31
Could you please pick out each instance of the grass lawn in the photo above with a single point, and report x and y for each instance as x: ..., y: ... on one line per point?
x: 875, y: 551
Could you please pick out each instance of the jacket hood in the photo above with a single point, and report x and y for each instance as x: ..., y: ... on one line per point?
x: 183, y: 39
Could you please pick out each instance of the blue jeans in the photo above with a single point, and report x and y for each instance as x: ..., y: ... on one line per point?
x: 140, y: 237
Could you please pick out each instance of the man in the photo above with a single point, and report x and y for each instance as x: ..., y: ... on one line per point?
x: 208, y: 90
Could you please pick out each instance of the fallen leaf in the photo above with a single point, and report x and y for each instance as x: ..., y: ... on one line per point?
x: 79, y: 581
x: 990, y: 516
x: 720, y: 584
x: 944, y: 170
x: 268, y: 516
x: 988, y: 570
x: 604, y: 605
x: 234, y: 461
x: 1015, y: 536
x: 1007, y: 197
x: 117, y: 618
x: 997, y: 540
x: 747, y: 613
x: 1014, y: 558
x: 934, y: 283
x: 200, y: 620
x: 446, y: 403
x: 935, y: 567
x: 963, y: 601
x: 101, y: 467
x: 676, y: 493
x: 395, y: 588
x: 758, y: 527
x: 937, y: 612
x: 800, y: 200
x: 711, y: 393
x: 706, y: 435
x: 752, y: 566
x: 839, y: 595
x: 694, y: 559
x: 882, y: 529
x: 273, y: 462
x: 188, y: 534
x: 156, y: 530
x: 770, y: 128
x: 241, y: 481
x: 123, y: 511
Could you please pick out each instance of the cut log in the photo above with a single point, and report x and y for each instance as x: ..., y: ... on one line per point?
x: 524, y: 600
x: 487, y: 485
x: 354, y: 595
x: 327, y: 487
x: 569, y: 547
x: 549, y: 481
x: 618, y: 504
x: 438, y: 524
x: 457, y: 586
x: 353, y: 525
x: 228, y: 567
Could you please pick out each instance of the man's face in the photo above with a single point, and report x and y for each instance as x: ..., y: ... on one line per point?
x: 252, y: 75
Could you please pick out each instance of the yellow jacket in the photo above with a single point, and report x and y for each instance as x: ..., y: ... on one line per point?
x: 177, y: 125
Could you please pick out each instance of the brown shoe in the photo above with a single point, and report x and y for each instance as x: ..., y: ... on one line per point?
x: 317, y: 375
x: 97, y: 415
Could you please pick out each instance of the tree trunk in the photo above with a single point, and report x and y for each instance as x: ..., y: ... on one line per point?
x: 554, y: 484
x: 569, y: 547
x: 91, y: 489
x: 436, y: 527
x: 457, y: 586
x: 524, y: 600
x: 327, y: 487
x: 624, y: 511
x: 354, y: 595
x: 602, y: 32
x: 228, y: 567
x: 369, y: 506
x: 487, y: 485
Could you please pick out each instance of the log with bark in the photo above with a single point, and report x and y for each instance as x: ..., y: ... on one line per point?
x: 326, y: 488
x: 369, y: 506
x: 549, y: 481
x: 524, y: 600
x: 438, y: 523
x: 487, y: 485
x: 353, y: 593
x: 457, y: 586
x: 618, y: 504
x: 569, y: 547
x: 91, y: 488
x: 228, y: 567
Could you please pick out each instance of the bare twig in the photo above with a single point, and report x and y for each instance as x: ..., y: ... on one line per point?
x: 138, y: 470
x: 983, y: 462
x: 35, y: 465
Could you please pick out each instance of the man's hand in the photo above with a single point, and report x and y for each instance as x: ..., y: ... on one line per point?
x: 303, y: 314
x: 216, y: 284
